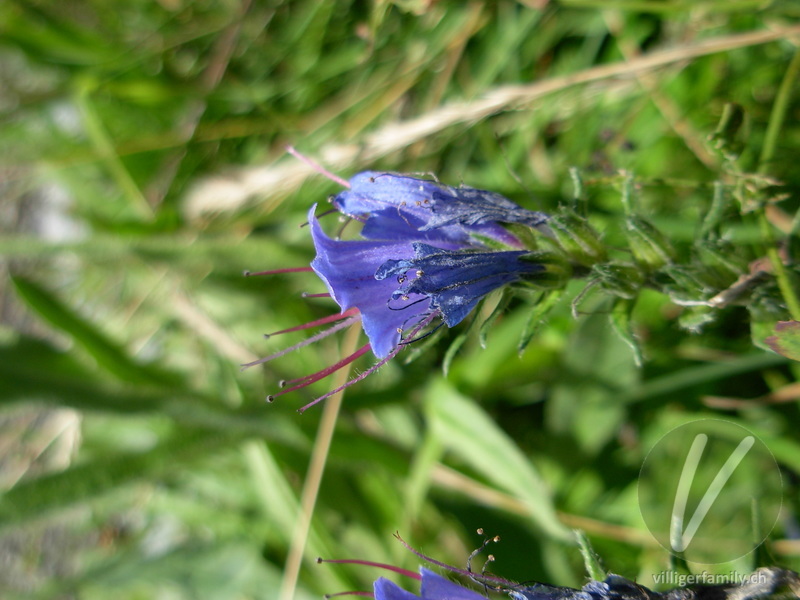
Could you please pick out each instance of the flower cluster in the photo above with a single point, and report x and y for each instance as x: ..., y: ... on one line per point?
x: 429, y: 252
x: 763, y: 583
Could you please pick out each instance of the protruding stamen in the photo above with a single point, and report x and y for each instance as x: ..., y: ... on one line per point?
x: 314, y: 377
x: 351, y: 593
x: 369, y: 563
x: 361, y: 376
x: 317, y: 167
x: 353, y: 381
x: 419, y: 338
x: 503, y: 583
x: 323, y: 321
x: 479, y: 549
x: 332, y: 211
x: 278, y: 271
x: 320, y: 295
x: 314, y: 338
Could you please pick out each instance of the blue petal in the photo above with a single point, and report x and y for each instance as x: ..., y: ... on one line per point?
x: 436, y: 587
x: 540, y: 591
x: 613, y: 588
x: 388, y: 590
x: 456, y: 281
x: 469, y: 206
x: 616, y: 586
x: 348, y: 270
x: 399, y: 207
x: 597, y: 589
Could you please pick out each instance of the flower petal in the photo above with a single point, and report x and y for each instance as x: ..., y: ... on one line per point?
x: 541, y: 591
x: 436, y: 587
x: 388, y: 590
x: 348, y: 270
x: 470, y: 207
x: 456, y: 281
x: 399, y: 207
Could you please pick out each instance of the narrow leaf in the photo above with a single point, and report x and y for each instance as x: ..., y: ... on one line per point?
x: 475, y: 438
x: 536, y: 317
x: 621, y: 321
x: 108, y: 354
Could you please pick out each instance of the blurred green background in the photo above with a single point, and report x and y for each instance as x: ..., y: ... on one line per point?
x: 142, y: 169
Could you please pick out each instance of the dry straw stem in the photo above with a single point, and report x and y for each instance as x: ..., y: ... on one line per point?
x: 226, y: 193
x: 313, y: 480
x: 451, y: 480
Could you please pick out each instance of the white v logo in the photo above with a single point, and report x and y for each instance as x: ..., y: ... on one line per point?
x: 680, y: 539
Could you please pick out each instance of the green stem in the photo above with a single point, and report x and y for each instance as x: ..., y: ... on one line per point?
x: 776, y: 119
x: 782, y: 274
x: 778, y: 114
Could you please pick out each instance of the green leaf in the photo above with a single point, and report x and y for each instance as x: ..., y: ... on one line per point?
x: 621, y: 321
x: 467, y: 431
x: 91, y: 481
x: 501, y: 308
x: 452, y: 350
x: 108, y: 355
x: 536, y: 317
x: 591, y: 560
x: 786, y: 340
x: 598, y: 371
x: 33, y: 370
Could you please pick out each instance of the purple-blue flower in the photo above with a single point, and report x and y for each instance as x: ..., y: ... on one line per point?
x: 427, y: 254
x: 614, y: 587
x: 763, y: 583
x: 454, y: 282
x: 432, y: 587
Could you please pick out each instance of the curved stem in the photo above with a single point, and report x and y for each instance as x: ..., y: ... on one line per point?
x: 316, y: 468
x: 776, y: 119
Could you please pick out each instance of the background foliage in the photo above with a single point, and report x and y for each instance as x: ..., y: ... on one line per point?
x: 142, y: 168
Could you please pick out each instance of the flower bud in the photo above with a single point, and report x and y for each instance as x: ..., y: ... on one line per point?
x: 650, y: 248
x: 620, y: 279
x: 579, y: 241
x: 726, y: 139
x: 720, y: 265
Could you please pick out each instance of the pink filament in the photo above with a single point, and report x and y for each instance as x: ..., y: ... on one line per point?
x: 309, y: 379
x: 360, y: 377
x: 369, y: 563
x: 317, y: 167
x: 279, y: 271
x: 373, y: 368
x: 314, y: 338
x: 322, y: 321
